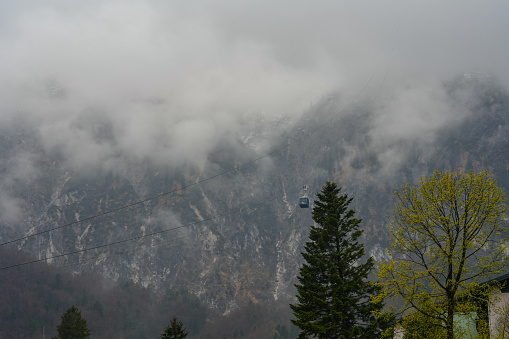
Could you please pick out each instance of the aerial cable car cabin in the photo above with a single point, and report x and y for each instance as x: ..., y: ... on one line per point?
x: 304, y: 200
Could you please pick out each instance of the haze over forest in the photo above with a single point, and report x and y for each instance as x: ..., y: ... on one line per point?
x: 112, y: 102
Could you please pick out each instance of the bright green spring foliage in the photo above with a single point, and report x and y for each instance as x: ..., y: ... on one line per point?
x: 333, y: 290
x: 73, y: 326
x: 175, y: 330
x: 448, y: 235
x: 500, y: 322
x: 469, y: 320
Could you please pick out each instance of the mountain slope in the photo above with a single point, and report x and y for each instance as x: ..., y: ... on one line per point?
x: 236, y: 239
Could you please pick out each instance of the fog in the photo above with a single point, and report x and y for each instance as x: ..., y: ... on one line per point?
x: 109, y: 82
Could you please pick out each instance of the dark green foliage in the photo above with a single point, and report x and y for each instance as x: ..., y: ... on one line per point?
x: 73, y: 326
x: 280, y: 332
x: 99, y: 308
x: 175, y: 330
x: 254, y: 320
x: 333, y: 290
x: 58, y: 285
x: 34, y: 304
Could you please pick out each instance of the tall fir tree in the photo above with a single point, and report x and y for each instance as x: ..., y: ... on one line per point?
x: 334, y: 292
x: 73, y: 326
x: 175, y: 330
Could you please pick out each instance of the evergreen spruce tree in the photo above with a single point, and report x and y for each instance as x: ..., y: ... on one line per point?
x: 175, y: 330
x: 333, y: 292
x: 73, y: 326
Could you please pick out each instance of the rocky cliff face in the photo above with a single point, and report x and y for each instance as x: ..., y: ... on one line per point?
x: 236, y: 238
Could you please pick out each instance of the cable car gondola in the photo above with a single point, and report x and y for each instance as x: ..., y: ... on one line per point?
x: 304, y: 200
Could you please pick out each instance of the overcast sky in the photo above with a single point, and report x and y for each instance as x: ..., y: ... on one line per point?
x: 169, y: 78
x: 226, y: 56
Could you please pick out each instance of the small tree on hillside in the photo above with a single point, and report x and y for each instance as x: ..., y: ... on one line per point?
x: 175, y: 330
x: 73, y: 326
x: 333, y: 291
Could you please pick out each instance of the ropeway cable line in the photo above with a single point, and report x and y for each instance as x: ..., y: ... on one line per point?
x: 235, y: 168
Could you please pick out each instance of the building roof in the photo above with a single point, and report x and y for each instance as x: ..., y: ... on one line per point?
x: 503, y: 280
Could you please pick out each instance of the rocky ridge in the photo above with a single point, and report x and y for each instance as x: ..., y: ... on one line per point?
x: 236, y: 238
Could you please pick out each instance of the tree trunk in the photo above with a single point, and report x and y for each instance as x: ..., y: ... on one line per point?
x: 450, y: 320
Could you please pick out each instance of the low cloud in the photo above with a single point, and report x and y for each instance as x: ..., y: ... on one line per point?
x: 18, y: 172
x: 108, y: 83
x: 10, y: 209
x: 413, y: 115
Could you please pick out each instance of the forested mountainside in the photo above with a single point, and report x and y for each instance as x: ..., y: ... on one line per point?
x: 228, y: 229
x: 34, y: 300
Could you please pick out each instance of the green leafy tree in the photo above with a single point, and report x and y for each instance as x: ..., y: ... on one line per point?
x: 417, y: 326
x: 73, y: 326
x: 280, y: 332
x: 500, y: 324
x: 447, y: 237
x: 175, y: 330
x: 333, y: 291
